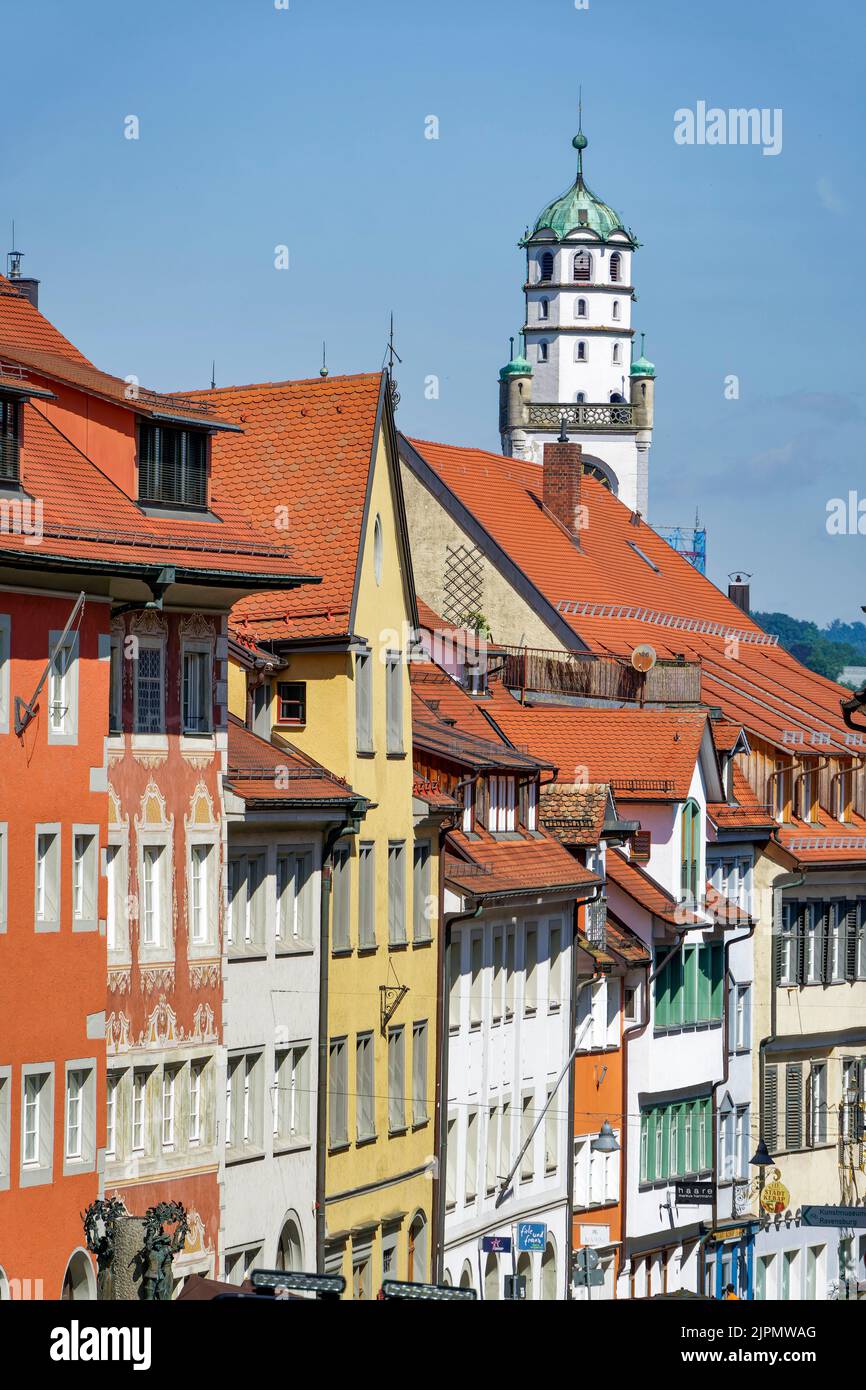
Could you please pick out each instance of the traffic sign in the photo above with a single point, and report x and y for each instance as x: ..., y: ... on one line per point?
x: 531, y: 1235
x: 833, y: 1216
x: 496, y: 1245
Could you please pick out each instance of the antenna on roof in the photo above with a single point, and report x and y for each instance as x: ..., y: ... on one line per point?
x: 323, y: 370
x: 392, y: 354
x: 213, y: 374
x: 13, y: 259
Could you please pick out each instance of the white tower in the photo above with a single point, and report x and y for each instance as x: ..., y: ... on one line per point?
x: 578, y: 345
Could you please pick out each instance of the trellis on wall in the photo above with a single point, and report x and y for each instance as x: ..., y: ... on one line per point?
x: 463, y: 586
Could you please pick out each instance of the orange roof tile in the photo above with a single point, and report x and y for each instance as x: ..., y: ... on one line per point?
x: 746, y: 812
x: 574, y: 815
x: 612, y: 599
x: 261, y: 771
x: 22, y: 324
x: 486, y: 867
x: 644, y: 890
x: 625, y: 942
x: 645, y: 755
x: 304, y: 456
x: 441, y: 694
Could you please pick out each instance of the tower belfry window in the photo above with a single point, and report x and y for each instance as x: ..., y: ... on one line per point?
x: 617, y: 353
x: 580, y: 309
x: 547, y: 266
x: 580, y: 351
x: 583, y: 267
x: 615, y: 267
x: 544, y: 309
x: 542, y: 352
x: 615, y: 309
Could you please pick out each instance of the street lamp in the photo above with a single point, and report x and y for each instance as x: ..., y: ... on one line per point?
x: 762, y: 1160
x: 605, y: 1141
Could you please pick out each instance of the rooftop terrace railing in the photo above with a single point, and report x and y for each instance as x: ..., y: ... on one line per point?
x: 594, y: 676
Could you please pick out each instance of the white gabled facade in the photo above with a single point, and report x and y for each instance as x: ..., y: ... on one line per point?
x: 509, y: 1038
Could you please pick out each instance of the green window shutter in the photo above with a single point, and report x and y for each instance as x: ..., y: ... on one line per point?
x: 705, y: 985
x: 708, y: 1133
x: 717, y: 996
x: 666, y: 1164
x: 690, y: 984
x: 650, y: 1116
x: 794, y: 1105
x: 662, y: 992
x: 770, y: 1108
x: 681, y: 1138
x: 676, y: 990
x: 644, y: 1146
x: 849, y: 909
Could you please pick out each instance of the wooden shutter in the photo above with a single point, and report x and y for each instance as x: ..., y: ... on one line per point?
x: 675, y: 975
x: 825, y: 931
x: 363, y: 701
x: 849, y: 909
x: 717, y: 981
x: 707, y: 1109
x: 665, y: 1162
x: 769, y: 1129
x: 801, y: 912
x: 690, y: 984
x: 794, y: 1105
x: 640, y: 849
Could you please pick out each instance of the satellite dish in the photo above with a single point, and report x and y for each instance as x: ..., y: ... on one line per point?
x: 643, y: 658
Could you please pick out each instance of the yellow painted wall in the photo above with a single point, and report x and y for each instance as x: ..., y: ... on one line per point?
x: 237, y: 690
x: 329, y: 735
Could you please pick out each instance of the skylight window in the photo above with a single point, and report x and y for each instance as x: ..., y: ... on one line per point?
x: 646, y: 559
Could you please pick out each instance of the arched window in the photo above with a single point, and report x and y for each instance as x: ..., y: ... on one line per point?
x: 583, y: 267
x: 617, y: 353
x: 691, y: 851
x: 377, y: 549
x: 580, y: 398
x: 615, y: 268
x: 546, y: 266
x: 616, y: 308
x: 466, y: 1276
x: 617, y: 398
x: 79, y: 1281
x: 542, y: 352
x: 580, y: 350
x: 580, y: 309
x: 290, y: 1247
x: 416, y: 1263
x: 548, y: 1272
x: 491, y: 1277
x: 544, y: 309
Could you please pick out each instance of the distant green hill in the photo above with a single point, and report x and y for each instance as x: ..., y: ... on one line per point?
x: 827, y: 650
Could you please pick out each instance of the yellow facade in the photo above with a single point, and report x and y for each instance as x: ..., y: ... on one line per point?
x: 379, y: 1190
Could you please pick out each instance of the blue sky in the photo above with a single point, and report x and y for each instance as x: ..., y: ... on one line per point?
x: 305, y: 127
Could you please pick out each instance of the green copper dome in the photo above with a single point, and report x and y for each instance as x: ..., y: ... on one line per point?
x: 518, y: 366
x: 578, y: 208
x: 642, y: 366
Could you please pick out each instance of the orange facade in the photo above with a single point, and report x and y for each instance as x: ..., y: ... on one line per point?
x: 598, y: 1097
x: 53, y: 961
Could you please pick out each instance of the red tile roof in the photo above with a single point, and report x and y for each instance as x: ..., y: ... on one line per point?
x: 642, y: 889
x: 485, y: 867
x: 625, y: 942
x: 645, y: 755
x: 826, y: 840
x: 438, y: 693
x: 746, y: 812
x: 20, y: 323
x: 306, y: 447
x: 574, y: 815
x: 86, y: 517
x: 261, y: 771
x: 437, y: 798
x: 613, y: 599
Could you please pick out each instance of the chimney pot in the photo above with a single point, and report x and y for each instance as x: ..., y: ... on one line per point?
x: 739, y: 590
x: 563, y: 471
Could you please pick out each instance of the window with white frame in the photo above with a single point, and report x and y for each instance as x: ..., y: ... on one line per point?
x: 141, y: 1080
x: 451, y: 1163
x: 80, y: 1120
x: 116, y: 898
x: 470, y: 1164
x: 740, y: 1017
x: 554, y: 967
x: 731, y: 876
x: 814, y: 962
x: 419, y: 1073
x: 197, y: 692
x: 580, y: 309
x: 295, y: 895
x: 149, y: 712
x: 197, y: 1075
x: 85, y: 877
x: 397, y: 893
x: 476, y: 979
x: 551, y: 1132
x: 505, y: 1141
x: 502, y: 814
x: 596, y: 1175
x: 510, y: 970
x: 365, y: 1087
x: 244, y: 1104
x: 291, y: 1094
x: 201, y: 869
x: 468, y: 808
x: 817, y: 1104
x: 169, y: 1109
x: 396, y: 1079
x: 598, y: 1015
x: 246, y: 902
x: 63, y: 688
x: 530, y: 969
x: 154, y: 892
x: 5, y: 665
x: 37, y: 1125
x: 338, y: 1093
x: 527, y: 1122
x: 498, y: 972
x: 616, y: 355
x: 112, y: 1112
x: 454, y: 981
x: 47, y: 878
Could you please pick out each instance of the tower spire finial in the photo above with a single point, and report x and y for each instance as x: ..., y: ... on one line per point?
x: 580, y: 141
x: 323, y: 370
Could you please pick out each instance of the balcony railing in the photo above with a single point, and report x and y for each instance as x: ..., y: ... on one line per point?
x: 584, y: 416
x: 595, y: 677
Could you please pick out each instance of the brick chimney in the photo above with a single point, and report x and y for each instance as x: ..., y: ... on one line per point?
x: 739, y: 590
x: 563, y: 470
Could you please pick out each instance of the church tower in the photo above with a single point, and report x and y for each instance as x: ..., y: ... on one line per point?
x: 577, y: 360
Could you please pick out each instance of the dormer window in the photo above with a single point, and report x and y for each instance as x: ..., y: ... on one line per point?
x: 502, y: 812
x: 172, y: 466
x: 10, y: 439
